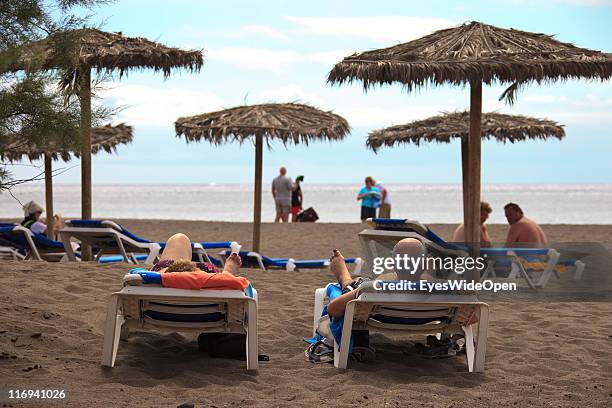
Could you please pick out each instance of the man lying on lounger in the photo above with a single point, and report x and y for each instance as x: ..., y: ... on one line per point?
x: 322, y: 349
x: 177, y: 258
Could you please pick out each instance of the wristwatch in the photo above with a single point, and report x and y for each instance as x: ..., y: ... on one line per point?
x: 352, y: 286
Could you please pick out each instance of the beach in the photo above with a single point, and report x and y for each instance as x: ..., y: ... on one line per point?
x: 538, y: 354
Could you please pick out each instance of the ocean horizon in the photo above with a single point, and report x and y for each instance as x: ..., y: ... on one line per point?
x: 428, y: 203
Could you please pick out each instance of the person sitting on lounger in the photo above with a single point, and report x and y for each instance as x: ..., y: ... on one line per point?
x: 177, y: 258
x: 485, y: 241
x: 322, y: 349
x: 523, y: 231
x: 35, y: 223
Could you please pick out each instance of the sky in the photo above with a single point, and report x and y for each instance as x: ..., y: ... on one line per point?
x: 281, y: 51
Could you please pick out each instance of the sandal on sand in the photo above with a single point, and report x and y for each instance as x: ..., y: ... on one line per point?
x: 441, y: 351
x: 320, y: 352
x: 439, y: 348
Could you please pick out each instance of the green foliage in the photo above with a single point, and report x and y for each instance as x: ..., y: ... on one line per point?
x: 32, y: 106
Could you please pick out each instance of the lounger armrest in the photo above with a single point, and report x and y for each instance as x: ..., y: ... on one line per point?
x: 132, y: 279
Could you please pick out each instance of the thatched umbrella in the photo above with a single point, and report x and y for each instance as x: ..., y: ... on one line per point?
x: 105, y: 52
x: 448, y: 126
x: 288, y: 122
x: 473, y: 53
x: 105, y: 138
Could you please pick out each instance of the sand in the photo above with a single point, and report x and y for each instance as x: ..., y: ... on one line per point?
x: 51, y: 330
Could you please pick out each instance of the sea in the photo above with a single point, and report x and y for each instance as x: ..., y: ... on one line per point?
x: 334, y: 203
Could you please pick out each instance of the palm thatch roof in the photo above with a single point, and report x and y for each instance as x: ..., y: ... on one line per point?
x: 103, y: 51
x: 473, y: 52
x: 105, y: 138
x: 443, y: 128
x: 288, y: 122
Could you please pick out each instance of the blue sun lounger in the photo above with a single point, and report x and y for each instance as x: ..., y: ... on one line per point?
x: 31, y: 246
x: 495, y: 256
x: 108, y: 237
x: 144, y: 304
x: 251, y: 259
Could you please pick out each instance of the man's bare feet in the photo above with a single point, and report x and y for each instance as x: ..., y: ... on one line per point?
x: 232, y: 263
x: 338, y: 268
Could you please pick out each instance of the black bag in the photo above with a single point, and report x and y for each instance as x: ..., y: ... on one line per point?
x: 223, y: 345
x: 308, y: 215
x: 226, y: 345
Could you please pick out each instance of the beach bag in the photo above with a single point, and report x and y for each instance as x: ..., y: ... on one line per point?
x: 223, y: 345
x: 308, y: 215
x: 226, y: 345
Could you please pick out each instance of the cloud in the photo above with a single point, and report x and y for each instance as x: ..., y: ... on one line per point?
x: 265, y: 31
x: 382, y: 116
x: 271, y: 60
x: 384, y: 29
x: 292, y: 93
x: 589, y: 2
x: 545, y: 98
x: 157, y: 106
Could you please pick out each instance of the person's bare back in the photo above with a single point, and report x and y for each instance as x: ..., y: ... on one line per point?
x: 526, y: 232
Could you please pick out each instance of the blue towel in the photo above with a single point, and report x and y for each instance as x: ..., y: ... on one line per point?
x: 335, y: 324
x: 148, y: 276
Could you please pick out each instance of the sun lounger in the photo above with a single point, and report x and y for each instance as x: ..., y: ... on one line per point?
x: 252, y: 259
x: 496, y: 257
x: 7, y: 252
x: 411, y: 314
x: 27, y: 245
x: 22, y: 244
x: 379, y: 241
x: 526, y: 261
x: 107, y: 237
x: 144, y: 304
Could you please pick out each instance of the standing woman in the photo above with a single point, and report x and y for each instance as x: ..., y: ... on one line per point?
x: 370, y: 199
x: 296, y: 198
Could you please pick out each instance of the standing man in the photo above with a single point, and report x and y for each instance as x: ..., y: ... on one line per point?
x: 385, y: 200
x: 281, y: 191
x: 370, y: 199
x: 296, y: 198
x: 523, y: 231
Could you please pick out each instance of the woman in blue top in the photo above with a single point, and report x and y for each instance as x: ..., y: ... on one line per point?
x: 370, y: 199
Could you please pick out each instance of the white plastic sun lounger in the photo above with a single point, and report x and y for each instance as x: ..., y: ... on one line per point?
x: 23, y: 244
x: 11, y: 253
x: 376, y: 243
x: 513, y: 257
x: 107, y: 237
x: 411, y: 314
x: 144, y: 304
x: 401, y: 228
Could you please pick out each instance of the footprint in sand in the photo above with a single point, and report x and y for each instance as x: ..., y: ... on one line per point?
x: 76, y: 289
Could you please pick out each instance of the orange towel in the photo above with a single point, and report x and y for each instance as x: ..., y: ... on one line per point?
x: 540, y: 266
x: 203, y: 280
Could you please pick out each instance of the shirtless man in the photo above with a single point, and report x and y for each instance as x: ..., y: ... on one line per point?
x: 407, y: 246
x: 523, y: 231
x: 485, y: 240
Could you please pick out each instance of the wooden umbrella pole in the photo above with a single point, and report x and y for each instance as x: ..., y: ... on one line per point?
x: 257, y: 197
x: 49, y: 195
x: 85, y: 101
x: 472, y: 222
x: 465, y: 160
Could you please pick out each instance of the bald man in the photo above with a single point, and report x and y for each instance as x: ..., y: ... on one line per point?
x: 408, y: 246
